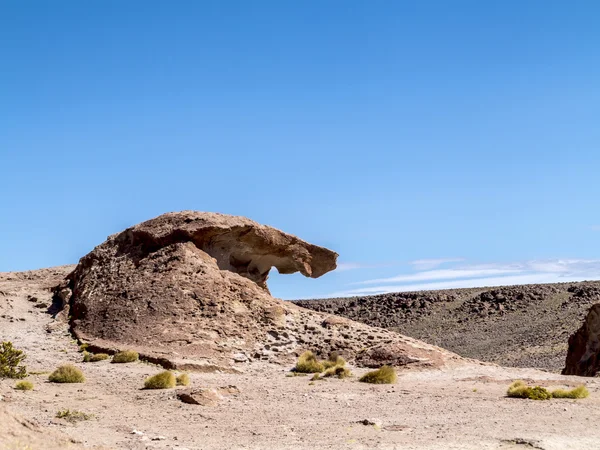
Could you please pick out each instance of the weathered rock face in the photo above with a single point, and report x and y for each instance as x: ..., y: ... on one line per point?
x: 189, y: 289
x: 583, y: 357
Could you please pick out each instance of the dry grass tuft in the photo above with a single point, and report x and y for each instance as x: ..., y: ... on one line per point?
x: 24, y: 386
x: 90, y: 357
x: 519, y: 389
x: 125, y: 356
x: 162, y: 380
x: 67, y: 374
x: 578, y: 392
x: 383, y: 375
x: 73, y: 416
x: 308, y: 363
x: 183, y: 380
x: 338, y: 372
x: 334, y: 360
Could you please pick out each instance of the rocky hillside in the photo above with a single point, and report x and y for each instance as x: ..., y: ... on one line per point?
x: 520, y: 326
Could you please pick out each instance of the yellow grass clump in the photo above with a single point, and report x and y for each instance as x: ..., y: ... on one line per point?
x: 308, y: 363
x: 519, y: 389
x: 383, y: 375
x: 183, y: 380
x: 67, y: 374
x: 162, y: 380
x: 24, y: 386
x: 578, y: 392
x: 126, y: 356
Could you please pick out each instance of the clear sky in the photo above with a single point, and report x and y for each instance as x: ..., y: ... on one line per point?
x: 429, y: 143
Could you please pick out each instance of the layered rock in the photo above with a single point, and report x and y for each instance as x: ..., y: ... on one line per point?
x: 189, y: 290
x: 583, y: 356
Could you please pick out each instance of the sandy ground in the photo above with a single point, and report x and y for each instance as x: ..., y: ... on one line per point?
x: 456, y: 408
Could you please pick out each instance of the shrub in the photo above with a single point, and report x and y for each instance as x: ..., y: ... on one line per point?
x: 83, y: 347
x: 90, y: 357
x: 337, y: 371
x: 183, y: 380
x: 162, y: 380
x: 578, y: 392
x: 519, y: 389
x: 126, y: 356
x: 334, y: 360
x: 315, y: 377
x: 24, y: 386
x: 73, y: 416
x: 383, y: 375
x: 67, y: 374
x: 10, y: 361
x: 308, y: 363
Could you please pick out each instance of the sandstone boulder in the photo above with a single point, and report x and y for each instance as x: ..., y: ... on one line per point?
x: 583, y: 356
x: 188, y: 290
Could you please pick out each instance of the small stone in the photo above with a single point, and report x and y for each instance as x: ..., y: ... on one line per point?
x: 139, y: 433
x: 240, y: 358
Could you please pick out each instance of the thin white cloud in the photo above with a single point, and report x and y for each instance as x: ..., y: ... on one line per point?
x: 485, y: 275
x: 343, y: 266
x: 427, y: 264
x: 595, y: 227
x: 442, y: 274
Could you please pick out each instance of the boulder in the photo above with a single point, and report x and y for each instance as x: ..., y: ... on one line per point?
x: 583, y: 356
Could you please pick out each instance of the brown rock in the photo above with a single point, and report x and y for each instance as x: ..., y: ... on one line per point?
x: 583, y: 356
x: 202, y: 397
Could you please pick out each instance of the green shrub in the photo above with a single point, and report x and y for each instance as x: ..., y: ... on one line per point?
x: 519, y: 389
x: 24, y: 386
x: 126, y: 356
x: 163, y: 380
x: 383, y: 375
x: 578, y: 392
x: 308, y: 363
x: 315, y: 377
x: 83, y: 347
x: 10, y: 361
x: 338, y: 372
x: 90, y: 357
x: 183, y: 380
x: 67, y: 374
x: 73, y: 416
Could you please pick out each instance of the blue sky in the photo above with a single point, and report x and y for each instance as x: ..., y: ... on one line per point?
x: 431, y: 144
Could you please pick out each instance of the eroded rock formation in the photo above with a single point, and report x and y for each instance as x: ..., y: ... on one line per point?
x: 583, y: 357
x: 189, y: 290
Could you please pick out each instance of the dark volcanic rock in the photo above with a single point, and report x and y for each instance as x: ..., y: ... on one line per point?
x: 583, y: 357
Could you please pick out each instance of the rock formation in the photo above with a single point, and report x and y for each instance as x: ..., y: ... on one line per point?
x: 583, y: 356
x: 189, y: 290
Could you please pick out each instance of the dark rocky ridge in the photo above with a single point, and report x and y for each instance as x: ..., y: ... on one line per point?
x: 520, y: 326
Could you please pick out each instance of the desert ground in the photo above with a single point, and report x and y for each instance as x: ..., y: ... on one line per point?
x: 460, y: 406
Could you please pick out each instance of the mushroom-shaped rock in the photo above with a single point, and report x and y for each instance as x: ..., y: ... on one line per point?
x: 188, y: 290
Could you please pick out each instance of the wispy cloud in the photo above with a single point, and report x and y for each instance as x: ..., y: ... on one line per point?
x: 595, y: 227
x: 427, y: 264
x: 528, y: 272
x: 343, y: 266
x: 443, y: 274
